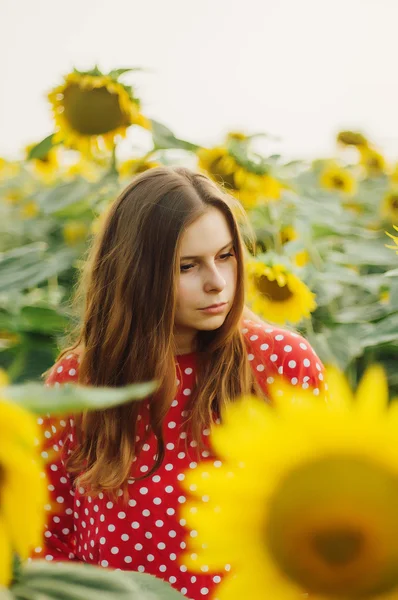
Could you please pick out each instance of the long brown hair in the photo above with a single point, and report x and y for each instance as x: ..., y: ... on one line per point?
x: 128, y: 287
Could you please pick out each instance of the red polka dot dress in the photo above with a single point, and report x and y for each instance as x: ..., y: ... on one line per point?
x: 148, y: 535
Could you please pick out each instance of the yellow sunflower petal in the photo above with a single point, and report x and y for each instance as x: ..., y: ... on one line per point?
x: 4, y: 380
x: 340, y: 393
x: 372, y: 392
x: 312, y: 504
x: 5, y: 556
x: 22, y: 510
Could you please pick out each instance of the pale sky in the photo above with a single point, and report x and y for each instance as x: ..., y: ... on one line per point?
x: 297, y: 69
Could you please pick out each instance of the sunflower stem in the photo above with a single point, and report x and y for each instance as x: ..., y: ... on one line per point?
x: 275, y: 225
x: 113, y: 168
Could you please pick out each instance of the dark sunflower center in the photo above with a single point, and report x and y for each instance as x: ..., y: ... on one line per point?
x: 219, y: 173
x: 93, y: 111
x: 338, y: 547
x: 394, y: 202
x: 272, y: 290
x: 333, y: 528
x: 374, y: 163
x: 338, y: 182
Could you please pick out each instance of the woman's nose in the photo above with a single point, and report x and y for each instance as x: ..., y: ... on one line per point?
x: 214, y: 281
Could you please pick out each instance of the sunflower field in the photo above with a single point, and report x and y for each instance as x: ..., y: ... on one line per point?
x: 321, y: 266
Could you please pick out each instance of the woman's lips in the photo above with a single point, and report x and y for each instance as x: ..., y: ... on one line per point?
x: 215, y: 308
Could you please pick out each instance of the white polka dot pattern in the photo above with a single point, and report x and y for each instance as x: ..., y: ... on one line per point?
x: 146, y: 534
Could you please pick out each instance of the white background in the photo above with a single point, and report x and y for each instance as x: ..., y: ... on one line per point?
x: 298, y: 69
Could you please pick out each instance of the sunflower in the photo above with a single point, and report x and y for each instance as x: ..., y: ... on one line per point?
x: 303, y: 497
x: 394, y: 239
x: 251, y: 187
x: 394, y: 174
x: 384, y: 296
x: 219, y: 165
x: 334, y: 177
x: 46, y: 166
x: 372, y: 161
x: 29, y: 210
x: 85, y: 168
x: 23, y: 490
x: 135, y: 166
x: 8, y: 169
x: 301, y: 258
x: 389, y: 205
x: 277, y: 294
x: 352, y: 138
x: 74, y: 232
x: 13, y: 196
x: 236, y: 135
x: 91, y: 110
x: 354, y: 207
x: 288, y: 234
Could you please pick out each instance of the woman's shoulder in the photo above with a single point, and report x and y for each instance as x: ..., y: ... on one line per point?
x: 274, y: 350
x: 256, y: 333
x: 65, y: 369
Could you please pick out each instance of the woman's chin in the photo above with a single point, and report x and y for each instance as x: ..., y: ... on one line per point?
x: 211, y: 322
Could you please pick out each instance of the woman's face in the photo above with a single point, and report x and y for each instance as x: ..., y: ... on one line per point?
x: 208, y: 271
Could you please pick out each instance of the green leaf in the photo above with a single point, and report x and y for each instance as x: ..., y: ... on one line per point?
x: 25, y: 267
x: 339, y: 345
x: 59, y: 197
x: 252, y: 162
x: 28, y: 360
x: 156, y: 587
x: 40, y: 319
x: 382, y: 332
x: 42, y: 148
x: 72, y: 397
x: 164, y: 138
x: 78, y: 581
x: 116, y: 73
x: 364, y: 252
x: 360, y: 313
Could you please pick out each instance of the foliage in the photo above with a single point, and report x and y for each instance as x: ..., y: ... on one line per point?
x: 325, y: 221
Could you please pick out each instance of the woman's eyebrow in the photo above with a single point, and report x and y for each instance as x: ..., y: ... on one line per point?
x: 223, y: 248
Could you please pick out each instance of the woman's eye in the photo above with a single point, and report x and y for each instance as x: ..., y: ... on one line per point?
x: 184, y: 268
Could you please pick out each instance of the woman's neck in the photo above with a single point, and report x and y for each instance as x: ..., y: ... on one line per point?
x: 184, y: 341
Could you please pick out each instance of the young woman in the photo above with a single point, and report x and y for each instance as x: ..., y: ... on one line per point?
x: 163, y: 299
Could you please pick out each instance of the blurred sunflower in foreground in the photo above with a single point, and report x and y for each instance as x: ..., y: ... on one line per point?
x: 372, y: 161
x: 8, y: 169
x: 352, y: 138
x: 45, y: 167
x: 305, y: 501
x: 336, y: 178
x: 277, y: 294
x: 92, y: 109
x: 135, y: 166
x: 23, y: 491
x: 389, y: 205
x: 249, y: 181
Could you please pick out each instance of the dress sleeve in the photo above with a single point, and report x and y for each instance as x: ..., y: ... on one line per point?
x: 276, y: 352
x: 57, y: 438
